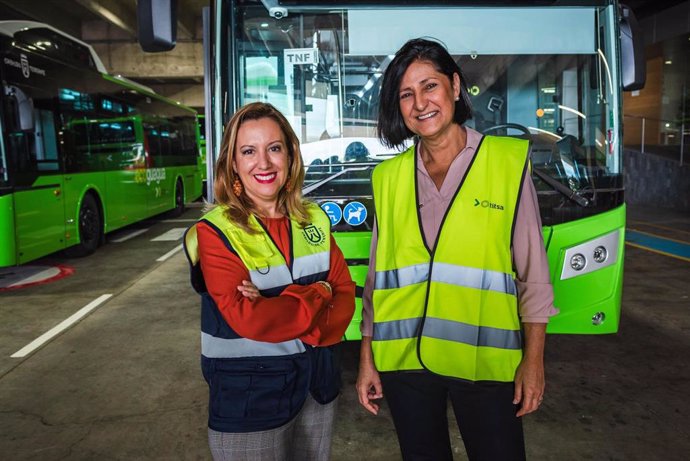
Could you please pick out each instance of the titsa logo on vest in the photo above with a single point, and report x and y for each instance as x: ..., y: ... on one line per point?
x: 487, y: 204
x: 313, y: 234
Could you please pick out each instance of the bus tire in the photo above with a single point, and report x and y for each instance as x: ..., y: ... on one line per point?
x: 179, y: 199
x: 90, y: 228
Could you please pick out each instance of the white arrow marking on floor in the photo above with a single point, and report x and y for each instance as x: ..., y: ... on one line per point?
x: 171, y: 236
x: 57, y: 329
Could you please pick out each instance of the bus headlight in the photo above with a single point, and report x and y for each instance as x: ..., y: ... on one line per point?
x: 578, y: 262
x: 601, y: 252
x: 598, y: 318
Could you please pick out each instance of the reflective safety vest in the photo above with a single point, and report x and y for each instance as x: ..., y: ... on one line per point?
x: 450, y: 306
x: 257, y: 385
x: 268, y: 270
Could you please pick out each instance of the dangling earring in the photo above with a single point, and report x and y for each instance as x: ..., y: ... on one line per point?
x: 237, y: 187
x: 288, y: 186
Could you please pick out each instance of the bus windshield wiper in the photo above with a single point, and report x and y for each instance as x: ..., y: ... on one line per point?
x: 312, y: 187
x: 560, y: 187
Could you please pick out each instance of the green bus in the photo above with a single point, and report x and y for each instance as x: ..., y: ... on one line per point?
x: 550, y: 72
x: 82, y: 153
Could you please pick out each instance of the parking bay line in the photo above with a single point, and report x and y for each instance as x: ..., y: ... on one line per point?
x: 170, y: 253
x: 668, y: 247
x: 128, y: 236
x: 59, y: 328
x: 171, y: 235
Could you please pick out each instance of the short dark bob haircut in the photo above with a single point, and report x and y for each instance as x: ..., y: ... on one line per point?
x: 392, y: 130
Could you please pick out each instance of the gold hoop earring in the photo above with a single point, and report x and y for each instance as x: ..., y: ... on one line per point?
x: 237, y: 187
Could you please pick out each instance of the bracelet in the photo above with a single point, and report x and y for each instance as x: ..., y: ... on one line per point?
x: 327, y: 285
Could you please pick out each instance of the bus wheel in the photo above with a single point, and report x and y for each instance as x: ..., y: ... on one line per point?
x: 179, y: 199
x: 90, y: 228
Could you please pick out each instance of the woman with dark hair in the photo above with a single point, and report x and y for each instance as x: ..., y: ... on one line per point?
x: 458, y: 292
x: 277, y: 297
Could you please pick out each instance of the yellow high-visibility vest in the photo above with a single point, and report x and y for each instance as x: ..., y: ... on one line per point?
x: 450, y: 306
x: 268, y: 270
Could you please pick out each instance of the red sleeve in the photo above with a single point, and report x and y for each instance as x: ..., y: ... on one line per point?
x: 275, y: 319
x: 330, y: 327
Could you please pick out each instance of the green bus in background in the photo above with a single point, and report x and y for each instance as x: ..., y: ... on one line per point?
x: 549, y: 72
x: 83, y: 153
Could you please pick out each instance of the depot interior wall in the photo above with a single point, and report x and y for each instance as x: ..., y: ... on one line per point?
x: 664, y: 103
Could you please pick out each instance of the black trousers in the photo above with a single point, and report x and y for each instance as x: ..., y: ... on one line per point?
x: 485, y: 413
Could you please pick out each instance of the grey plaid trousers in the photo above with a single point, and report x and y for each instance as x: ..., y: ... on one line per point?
x: 306, y: 438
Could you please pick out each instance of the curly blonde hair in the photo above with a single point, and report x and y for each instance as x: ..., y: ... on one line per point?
x: 290, y: 196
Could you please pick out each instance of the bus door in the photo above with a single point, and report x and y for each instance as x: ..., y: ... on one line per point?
x: 119, y: 146
x: 32, y: 150
x: 158, y: 187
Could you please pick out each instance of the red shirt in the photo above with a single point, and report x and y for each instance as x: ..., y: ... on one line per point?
x: 307, y: 312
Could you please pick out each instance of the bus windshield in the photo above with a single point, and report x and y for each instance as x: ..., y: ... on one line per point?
x: 547, y: 73
x: 543, y: 74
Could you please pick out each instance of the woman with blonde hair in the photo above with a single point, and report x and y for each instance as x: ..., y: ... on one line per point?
x: 276, y: 298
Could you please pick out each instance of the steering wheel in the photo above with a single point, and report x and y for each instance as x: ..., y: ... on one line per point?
x: 506, y: 126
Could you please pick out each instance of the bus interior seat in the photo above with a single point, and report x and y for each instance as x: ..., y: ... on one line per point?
x: 315, y: 170
x: 334, y: 160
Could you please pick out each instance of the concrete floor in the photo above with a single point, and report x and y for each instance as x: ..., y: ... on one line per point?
x: 124, y: 383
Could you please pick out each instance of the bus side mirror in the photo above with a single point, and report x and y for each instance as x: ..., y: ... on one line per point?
x: 633, y: 65
x: 157, y: 24
x: 20, y: 109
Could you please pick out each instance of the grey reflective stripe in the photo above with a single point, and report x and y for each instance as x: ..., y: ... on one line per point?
x: 474, y: 278
x: 472, y: 334
x: 271, y: 277
x: 311, y: 264
x: 449, y: 330
x: 396, y: 329
x: 398, y: 278
x: 221, y: 348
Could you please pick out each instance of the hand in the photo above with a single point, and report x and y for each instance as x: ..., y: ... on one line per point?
x: 529, y: 386
x: 249, y: 290
x: 369, y: 386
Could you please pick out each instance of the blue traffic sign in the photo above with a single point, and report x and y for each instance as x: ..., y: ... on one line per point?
x: 355, y: 213
x: 332, y: 209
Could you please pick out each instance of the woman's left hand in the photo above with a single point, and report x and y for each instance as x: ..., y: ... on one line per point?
x: 529, y: 386
x: 249, y: 290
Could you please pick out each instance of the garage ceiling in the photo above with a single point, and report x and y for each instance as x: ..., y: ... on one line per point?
x: 110, y: 26
x: 68, y: 15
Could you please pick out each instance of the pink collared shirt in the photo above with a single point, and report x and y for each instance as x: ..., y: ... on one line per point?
x: 535, y: 293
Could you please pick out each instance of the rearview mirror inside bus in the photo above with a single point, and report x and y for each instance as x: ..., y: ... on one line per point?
x: 157, y: 24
